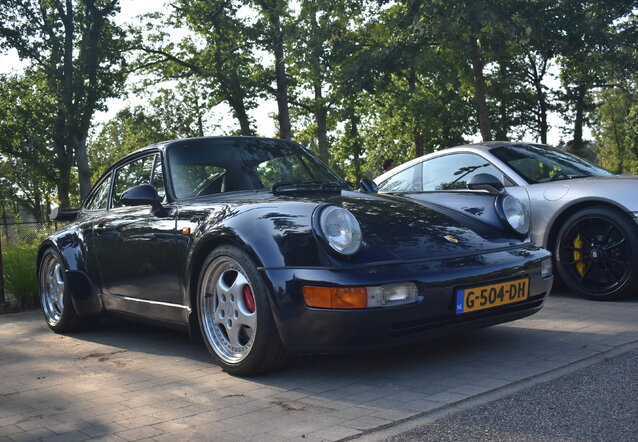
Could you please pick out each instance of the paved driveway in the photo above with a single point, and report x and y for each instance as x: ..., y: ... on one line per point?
x: 125, y: 381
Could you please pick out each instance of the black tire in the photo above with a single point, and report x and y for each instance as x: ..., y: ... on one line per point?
x: 239, y: 333
x: 597, y: 254
x: 55, y: 297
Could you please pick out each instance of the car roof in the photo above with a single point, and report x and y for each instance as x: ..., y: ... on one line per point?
x: 164, y: 144
x: 476, y: 147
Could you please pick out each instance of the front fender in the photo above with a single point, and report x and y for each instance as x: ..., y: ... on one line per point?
x: 272, y: 238
x: 73, y: 251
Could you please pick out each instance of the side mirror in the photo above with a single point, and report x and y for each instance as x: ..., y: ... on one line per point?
x: 368, y: 186
x: 485, y: 181
x: 58, y: 214
x: 142, y: 195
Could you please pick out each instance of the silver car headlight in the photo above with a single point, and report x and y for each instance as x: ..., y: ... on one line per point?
x: 339, y: 229
x: 514, y: 213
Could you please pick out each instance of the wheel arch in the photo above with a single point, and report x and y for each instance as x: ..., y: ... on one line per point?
x: 551, y: 234
x: 204, y: 247
x: 83, y: 293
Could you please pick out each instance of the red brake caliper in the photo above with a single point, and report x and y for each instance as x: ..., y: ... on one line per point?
x: 249, y: 299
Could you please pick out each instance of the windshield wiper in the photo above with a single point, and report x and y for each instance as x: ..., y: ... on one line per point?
x: 307, y: 186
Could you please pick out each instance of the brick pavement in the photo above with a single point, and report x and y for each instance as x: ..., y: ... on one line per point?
x: 124, y: 381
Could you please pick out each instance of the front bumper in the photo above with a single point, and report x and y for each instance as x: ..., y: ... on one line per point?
x: 304, y: 329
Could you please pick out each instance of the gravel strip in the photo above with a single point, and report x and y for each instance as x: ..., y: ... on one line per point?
x: 599, y: 402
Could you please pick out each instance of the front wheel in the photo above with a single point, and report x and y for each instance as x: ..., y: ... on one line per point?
x: 596, y: 254
x: 235, y: 316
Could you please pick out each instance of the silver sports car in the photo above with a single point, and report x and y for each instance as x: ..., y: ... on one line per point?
x: 581, y: 212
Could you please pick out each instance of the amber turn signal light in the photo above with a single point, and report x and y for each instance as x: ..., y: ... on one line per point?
x: 335, y: 297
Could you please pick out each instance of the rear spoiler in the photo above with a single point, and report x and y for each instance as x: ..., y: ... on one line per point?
x: 58, y: 214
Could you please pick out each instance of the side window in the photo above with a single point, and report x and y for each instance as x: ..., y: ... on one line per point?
x: 100, y: 197
x: 158, y: 178
x: 452, y: 172
x: 401, y: 182
x: 132, y: 174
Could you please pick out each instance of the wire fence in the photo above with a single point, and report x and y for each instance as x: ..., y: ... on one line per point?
x: 26, y: 232
x: 18, y: 248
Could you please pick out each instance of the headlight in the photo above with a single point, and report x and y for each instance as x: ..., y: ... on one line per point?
x: 514, y: 213
x: 340, y: 230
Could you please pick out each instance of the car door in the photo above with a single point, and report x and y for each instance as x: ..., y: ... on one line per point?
x: 453, y: 171
x: 135, y: 246
x: 94, y: 210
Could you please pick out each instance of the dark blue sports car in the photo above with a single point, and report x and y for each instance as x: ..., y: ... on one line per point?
x: 261, y: 249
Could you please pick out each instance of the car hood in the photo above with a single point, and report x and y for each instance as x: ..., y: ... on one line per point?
x: 616, y: 189
x: 393, y: 228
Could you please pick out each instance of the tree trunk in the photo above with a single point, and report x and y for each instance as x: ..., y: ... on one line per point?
x: 63, y: 179
x: 233, y: 89
x: 317, y: 74
x: 82, y: 160
x: 480, y: 94
x: 2, y: 298
x: 502, y: 127
x: 356, y: 142
x: 200, y: 120
x: 64, y: 153
x: 417, y: 134
x: 37, y: 201
x: 321, y: 117
x: 579, y: 120
x: 419, y: 142
x: 237, y: 104
x: 285, y: 131
x: 541, y: 97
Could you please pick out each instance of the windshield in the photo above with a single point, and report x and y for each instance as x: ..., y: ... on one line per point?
x: 205, y: 166
x: 541, y: 164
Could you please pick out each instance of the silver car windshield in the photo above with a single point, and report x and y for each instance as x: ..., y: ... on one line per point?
x: 541, y: 164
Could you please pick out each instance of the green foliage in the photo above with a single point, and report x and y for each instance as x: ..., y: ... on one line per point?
x: 617, y: 130
x: 364, y: 80
x: 20, y: 275
x: 75, y: 52
x: 26, y: 151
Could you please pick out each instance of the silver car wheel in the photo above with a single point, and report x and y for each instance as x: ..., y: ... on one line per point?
x: 228, y: 310
x: 52, y: 289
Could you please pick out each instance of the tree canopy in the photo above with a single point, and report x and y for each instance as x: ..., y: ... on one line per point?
x: 357, y: 81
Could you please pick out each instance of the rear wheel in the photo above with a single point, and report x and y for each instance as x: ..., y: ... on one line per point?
x: 596, y: 254
x: 55, y: 297
x: 235, y: 316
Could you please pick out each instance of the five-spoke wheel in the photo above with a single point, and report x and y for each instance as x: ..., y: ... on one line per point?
x: 597, y: 254
x: 235, y: 316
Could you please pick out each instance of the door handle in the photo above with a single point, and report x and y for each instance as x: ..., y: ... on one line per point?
x: 99, y: 228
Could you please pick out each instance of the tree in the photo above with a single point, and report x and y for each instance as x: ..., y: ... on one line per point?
x: 272, y: 34
x: 216, y: 55
x: 77, y: 49
x: 26, y: 151
x: 617, y: 129
x: 592, y: 52
x: 465, y: 27
x: 170, y: 114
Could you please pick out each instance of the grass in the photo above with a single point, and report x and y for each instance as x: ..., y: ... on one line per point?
x: 19, y: 275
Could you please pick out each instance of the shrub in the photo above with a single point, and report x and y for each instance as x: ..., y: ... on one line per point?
x: 19, y: 275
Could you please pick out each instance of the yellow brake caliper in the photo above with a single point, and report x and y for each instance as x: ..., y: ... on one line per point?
x: 578, y: 245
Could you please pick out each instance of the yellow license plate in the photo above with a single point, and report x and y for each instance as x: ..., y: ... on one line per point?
x: 488, y: 296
